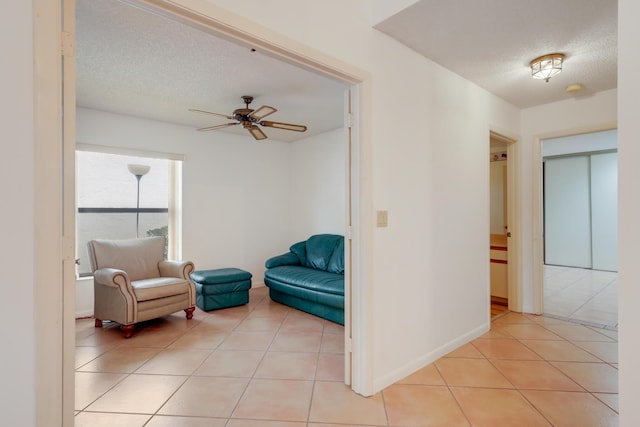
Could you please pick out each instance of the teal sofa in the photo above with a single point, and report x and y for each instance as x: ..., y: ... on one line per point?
x: 310, y: 277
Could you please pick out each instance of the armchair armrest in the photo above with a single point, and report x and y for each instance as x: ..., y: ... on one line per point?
x: 285, y: 259
x: 180, y: 269
x: 114, y: 278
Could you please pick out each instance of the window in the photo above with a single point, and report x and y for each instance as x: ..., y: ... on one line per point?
x: 113, y: 203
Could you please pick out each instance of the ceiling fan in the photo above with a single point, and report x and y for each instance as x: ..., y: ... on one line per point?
x: 250, y: 118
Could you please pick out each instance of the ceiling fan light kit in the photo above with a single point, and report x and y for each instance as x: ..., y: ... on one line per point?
x: 546, y: 66
x: 250, y: 118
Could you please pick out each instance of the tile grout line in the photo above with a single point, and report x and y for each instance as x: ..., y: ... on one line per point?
x: 251, y: 378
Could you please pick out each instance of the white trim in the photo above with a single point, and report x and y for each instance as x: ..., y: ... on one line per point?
x: 424, y: 360
x: 222, y: 23
x: 537, y: 291
x: 514, y: 255
x: 107, y: 149
x: 68, y: 183
x: 361, y: 235
x: 175, y: 211
x: 348, y: 248
x: 54, y: 333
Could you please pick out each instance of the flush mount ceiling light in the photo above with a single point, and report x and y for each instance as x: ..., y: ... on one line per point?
x: 547, y: 66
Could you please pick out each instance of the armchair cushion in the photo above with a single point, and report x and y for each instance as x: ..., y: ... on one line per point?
x: 138, y: 257
x: 159, y: 287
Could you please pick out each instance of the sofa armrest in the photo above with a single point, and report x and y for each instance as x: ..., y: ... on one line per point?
x: 114, y: 278
x: 180, y: 269
x: 285, y: 259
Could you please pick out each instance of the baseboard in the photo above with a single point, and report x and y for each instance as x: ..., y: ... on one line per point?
x: 500, y: 301
x: 421, y: 362
x: 84, y: 314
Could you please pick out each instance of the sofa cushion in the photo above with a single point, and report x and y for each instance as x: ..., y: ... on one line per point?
x: 302, y: 277
x: 336, y: 262
x: 319, y: 250
x: 300, y: 249
x: 285, y: 259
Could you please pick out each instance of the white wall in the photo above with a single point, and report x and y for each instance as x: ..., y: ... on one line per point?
x: 580, y: 115
x: 236, y: 194
x: 17, y: 189
x: 429, y: 171
x: 629, y: 209
x: 318, y: 166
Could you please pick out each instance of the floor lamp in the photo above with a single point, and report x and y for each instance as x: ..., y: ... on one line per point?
x: 138, y: 171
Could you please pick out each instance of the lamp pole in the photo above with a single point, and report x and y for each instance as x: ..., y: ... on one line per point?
x: 138, y: 171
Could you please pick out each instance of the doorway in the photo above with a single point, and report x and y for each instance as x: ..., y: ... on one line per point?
x: 580, y: 227
x: 501, y: 208
x: 352, y: 79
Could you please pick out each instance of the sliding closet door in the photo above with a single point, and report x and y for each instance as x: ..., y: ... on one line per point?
x: 604, y: 211
x: 567, y: 216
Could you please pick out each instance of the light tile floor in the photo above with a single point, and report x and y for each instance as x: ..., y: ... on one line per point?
x: 266, y: 365
x: 582, y: 295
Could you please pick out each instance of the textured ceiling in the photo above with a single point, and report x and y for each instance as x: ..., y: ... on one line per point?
x: 491, y: 43
x: 133, y: 62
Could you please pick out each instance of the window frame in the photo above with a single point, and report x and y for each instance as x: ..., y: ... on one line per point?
x: 174, y: 221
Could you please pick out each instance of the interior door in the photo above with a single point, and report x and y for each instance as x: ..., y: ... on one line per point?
x: 580, y: 211
x: 604, y: 211
x: 567, y: 217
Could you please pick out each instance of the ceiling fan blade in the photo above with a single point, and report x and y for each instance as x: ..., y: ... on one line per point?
x: 262, y: 112
x: 218, y: 126
x: 256, y: 132
x: 209, y: 112
x: 286, y: 126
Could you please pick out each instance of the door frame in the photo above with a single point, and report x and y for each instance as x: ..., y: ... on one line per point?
x: 514, y: 260
x: 538, y: 206
x: 220, y: 23
x: 55, y: 332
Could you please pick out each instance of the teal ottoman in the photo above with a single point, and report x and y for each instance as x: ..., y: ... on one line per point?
x: 221, y: 288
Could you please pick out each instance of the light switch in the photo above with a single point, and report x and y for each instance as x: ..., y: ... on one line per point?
x: 382, y: 218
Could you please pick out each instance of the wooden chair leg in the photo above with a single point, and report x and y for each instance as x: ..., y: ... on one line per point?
x: 98, y: 323
x: 189, y: 312
x: 127, y: 330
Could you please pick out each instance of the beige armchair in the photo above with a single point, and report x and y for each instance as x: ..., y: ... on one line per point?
x: 132, y: 282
